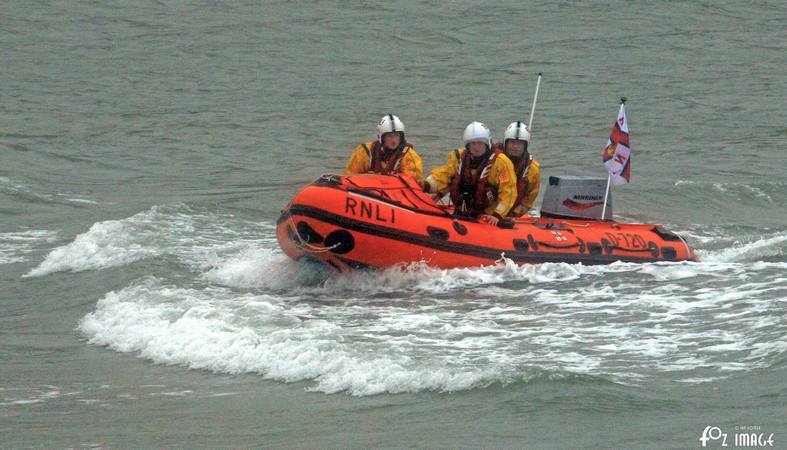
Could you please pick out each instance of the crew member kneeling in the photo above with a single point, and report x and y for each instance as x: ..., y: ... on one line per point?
x: 391, y: 154
x: 481, y: 180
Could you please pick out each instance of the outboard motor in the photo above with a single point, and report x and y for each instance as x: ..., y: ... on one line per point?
x: 576, y: 197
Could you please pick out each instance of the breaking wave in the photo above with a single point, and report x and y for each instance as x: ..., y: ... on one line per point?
x: 196, y: 238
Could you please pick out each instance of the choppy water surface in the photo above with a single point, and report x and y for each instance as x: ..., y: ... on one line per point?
x: 147, y: 150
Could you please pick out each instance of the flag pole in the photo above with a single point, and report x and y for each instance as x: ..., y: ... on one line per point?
x: 606, y: 194
x: 609, y: 175
x: 533, y: 109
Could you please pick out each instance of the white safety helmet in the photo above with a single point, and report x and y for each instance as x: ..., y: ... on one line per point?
x: 478, y: 132
x: 517, y: 130
x: 390, y: 124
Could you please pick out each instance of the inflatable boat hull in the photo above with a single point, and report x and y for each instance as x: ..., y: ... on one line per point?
x: 373, y: 221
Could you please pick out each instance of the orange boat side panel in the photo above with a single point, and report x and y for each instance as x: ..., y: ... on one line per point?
x: 380, y: 221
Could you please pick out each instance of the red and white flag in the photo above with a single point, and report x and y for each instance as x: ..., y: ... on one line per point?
x: 617, y: 155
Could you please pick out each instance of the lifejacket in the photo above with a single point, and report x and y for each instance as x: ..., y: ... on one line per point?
x: 473, y: 185
x: 376, y: 162
x: 520, y: 169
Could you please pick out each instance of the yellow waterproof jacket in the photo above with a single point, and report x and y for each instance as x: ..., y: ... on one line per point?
x: 360, y: 162
x: 501, y: 176
x: 531, y: 188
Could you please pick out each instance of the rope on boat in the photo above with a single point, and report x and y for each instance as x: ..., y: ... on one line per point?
x: 306, y: 246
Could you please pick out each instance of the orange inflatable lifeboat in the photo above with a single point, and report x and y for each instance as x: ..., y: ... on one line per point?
x: 376, y: 221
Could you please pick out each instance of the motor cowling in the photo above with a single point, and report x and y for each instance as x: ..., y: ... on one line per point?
x: 576, y: 197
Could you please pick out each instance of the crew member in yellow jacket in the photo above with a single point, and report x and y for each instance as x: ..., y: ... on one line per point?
x: 526, y: 169
x: 390, y: 154
x: 481, y: 180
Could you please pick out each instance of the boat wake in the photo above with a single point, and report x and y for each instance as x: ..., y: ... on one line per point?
x: 246, y: 308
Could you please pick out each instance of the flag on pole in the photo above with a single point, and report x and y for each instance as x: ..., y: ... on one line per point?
x: 617, y: 155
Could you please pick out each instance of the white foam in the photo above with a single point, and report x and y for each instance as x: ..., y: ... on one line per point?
x: 409, y: 337
x: 184, y: 393
x: 22, y: 402
x: 17, y: 246
x: 259, y: 267
x: 699, y: 380
x: 106, y: 244
x: 83, y: 200
x: 197, y: 239
x: 418, y: 276
x: 36, y: 396
x: 747, y: 251
x: 664, y: 272
x: 191, y: 328
x: 68, y: 198
x: 730, y: 188
x: 758, y: 192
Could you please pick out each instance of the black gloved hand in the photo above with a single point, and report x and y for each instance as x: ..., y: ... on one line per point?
x: 506, y: 222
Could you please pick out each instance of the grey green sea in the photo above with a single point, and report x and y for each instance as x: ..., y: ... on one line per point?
x: 147, y: 148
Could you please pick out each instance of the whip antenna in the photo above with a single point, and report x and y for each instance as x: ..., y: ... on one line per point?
x: 533, y: 109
